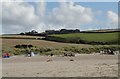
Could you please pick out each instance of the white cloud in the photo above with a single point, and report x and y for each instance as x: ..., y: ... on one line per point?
x: 16, y: 15
x: 66, y: 15
x: 40, y: 8
x: 71, y: 15
x: 112, y: 16
x: 112, y: 19
x: 23, y: 16
x: 0, y: 18
x: 12, y: 0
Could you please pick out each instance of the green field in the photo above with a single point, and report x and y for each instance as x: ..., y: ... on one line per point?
x: 104, y: 38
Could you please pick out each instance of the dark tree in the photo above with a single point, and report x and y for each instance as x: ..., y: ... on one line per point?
x: 22, y: 33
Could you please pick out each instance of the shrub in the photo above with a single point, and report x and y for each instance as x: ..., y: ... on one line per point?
x: 30, y: 46
x: 55, y: 52
x: 23, y: 46
x: 18, y: 46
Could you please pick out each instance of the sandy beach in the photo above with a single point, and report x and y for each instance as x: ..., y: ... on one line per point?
x: 83, y: 65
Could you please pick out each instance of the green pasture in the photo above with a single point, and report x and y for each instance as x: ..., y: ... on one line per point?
x: 86, y: 37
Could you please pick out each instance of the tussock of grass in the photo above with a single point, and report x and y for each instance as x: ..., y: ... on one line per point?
x: 62, y: 50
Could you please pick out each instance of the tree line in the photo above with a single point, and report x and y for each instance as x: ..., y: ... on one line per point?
x: 48, y: 32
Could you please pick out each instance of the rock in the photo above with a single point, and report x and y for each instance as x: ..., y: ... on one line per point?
x: 49, y: 60
x: 69, y: 54
x: 71, y: 60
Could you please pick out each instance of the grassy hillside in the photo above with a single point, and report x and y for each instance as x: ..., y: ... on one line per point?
x: 86, y: 38
x: 47, y: 47
x: 40, y: 46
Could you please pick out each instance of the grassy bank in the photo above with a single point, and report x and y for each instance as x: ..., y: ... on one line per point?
x: 61, y: 50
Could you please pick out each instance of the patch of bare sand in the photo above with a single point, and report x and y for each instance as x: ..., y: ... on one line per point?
x: 82, y: 66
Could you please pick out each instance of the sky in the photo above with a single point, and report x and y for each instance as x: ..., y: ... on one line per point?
x: 23, y: 16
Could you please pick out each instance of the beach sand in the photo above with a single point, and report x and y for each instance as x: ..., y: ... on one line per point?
x: 84, y: 65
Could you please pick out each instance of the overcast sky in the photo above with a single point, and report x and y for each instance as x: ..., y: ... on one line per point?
x: 40, y: 16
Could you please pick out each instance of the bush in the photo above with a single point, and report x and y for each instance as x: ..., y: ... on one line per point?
x: 29, y: 46
x: 23, y: 46
x: 18, y: 46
